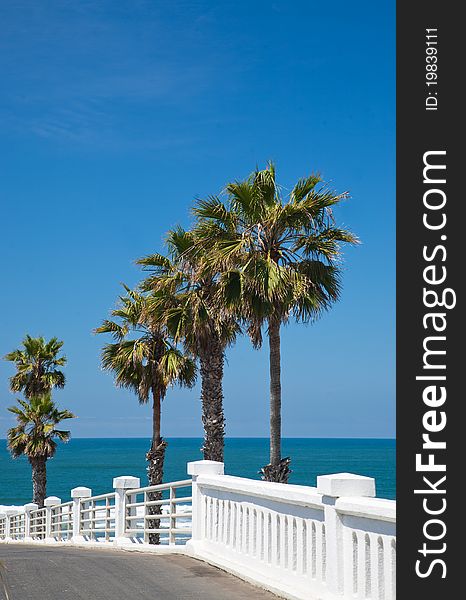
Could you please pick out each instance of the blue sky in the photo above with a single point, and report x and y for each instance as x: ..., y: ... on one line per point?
x: 116, y: 114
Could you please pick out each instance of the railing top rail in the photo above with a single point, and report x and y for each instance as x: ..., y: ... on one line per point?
x: 168, y: 515
x: 164, y: 501
x: 279, y: 492
x: 37, y: 512
x: 70, y: 503
x: 160, y: 487
x: 372, y: 508
x: 99, y: 497
x: 375, y: 508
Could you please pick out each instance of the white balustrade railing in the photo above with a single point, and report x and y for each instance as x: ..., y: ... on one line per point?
x: 172, y: 524
x: 335, y: 541
x: 97, y: 517
x: 329, y: 542
x: 61, y: 521
x: 37, y: 524
x: 17, y: 526
x: 274, y: 534
x: 369, y: 546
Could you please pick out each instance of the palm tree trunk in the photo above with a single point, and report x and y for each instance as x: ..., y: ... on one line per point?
x: 39, y: 480
x: 211, y: 366
x: 278, y: 469
x: 155, y: 458
x: 275, y: 393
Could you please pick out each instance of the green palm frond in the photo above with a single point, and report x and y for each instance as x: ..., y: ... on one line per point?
x: 231, y: 288
x: 175, y: 367
x: 116, y: 329
x: 34, y: 435
x: 155, y: 262
x: 303, y: 187
x: 281, y: 257
x: 185, y: 299
x: 63, y: 436
x: 37, y: 365
x: 325, y: 244
x: 138, y: 357
x: 214, y: 209
x: 179, y: 241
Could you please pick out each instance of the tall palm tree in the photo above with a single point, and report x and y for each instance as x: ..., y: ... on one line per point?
x: 37, y: 365
x: 144, y: 359
x: 34, y: 437
x: 184, y: 289
x: 279, y: 259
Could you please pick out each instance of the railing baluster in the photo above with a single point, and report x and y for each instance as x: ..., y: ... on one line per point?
x: 172, y: 510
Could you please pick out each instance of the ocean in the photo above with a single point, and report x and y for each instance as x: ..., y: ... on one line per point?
x: 95, y: 462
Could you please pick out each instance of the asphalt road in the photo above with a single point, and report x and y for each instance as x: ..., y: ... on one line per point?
x: 45, y: 573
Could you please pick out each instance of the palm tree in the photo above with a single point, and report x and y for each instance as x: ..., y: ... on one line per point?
x: 34, y: 436
x: 184, y: 289
x: 37, y: 365
x: 145, y: 360
x: 279, y: 259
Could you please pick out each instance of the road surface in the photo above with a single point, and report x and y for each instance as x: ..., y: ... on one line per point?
x: 61, y: 573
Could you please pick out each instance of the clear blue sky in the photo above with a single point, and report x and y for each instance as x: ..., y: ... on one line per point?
x: 116, y: 114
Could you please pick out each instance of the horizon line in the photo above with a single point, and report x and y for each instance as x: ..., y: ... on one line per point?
x: 242, y: 437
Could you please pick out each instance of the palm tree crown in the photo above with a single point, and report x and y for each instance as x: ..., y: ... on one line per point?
x: 37, y: 365
x: 278, y: 257
x: 142, y: 357
x: 36, y: 433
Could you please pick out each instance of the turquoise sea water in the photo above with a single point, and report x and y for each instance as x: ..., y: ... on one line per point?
x: 94, y: 463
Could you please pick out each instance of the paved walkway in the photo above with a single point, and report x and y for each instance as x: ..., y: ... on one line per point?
x: 61, y: 573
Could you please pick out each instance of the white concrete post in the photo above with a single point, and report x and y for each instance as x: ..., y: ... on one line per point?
x: 332, y: 487
x: 3, y: 517
x: 10, y: 512
x: 196, y: 468
x: 121, y: 485
x: 77, y: 494
x: 28, y: 508
x: 48, y: 503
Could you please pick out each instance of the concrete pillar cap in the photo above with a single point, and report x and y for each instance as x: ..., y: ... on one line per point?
x: 346, y: 484
x: 126, y: 482
x: 206, y: 467
x: 52, y: 501
x: 81, y: 492
x: 31, y: 506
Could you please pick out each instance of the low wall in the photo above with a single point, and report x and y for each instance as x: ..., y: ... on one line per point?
x: 334, y: 541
